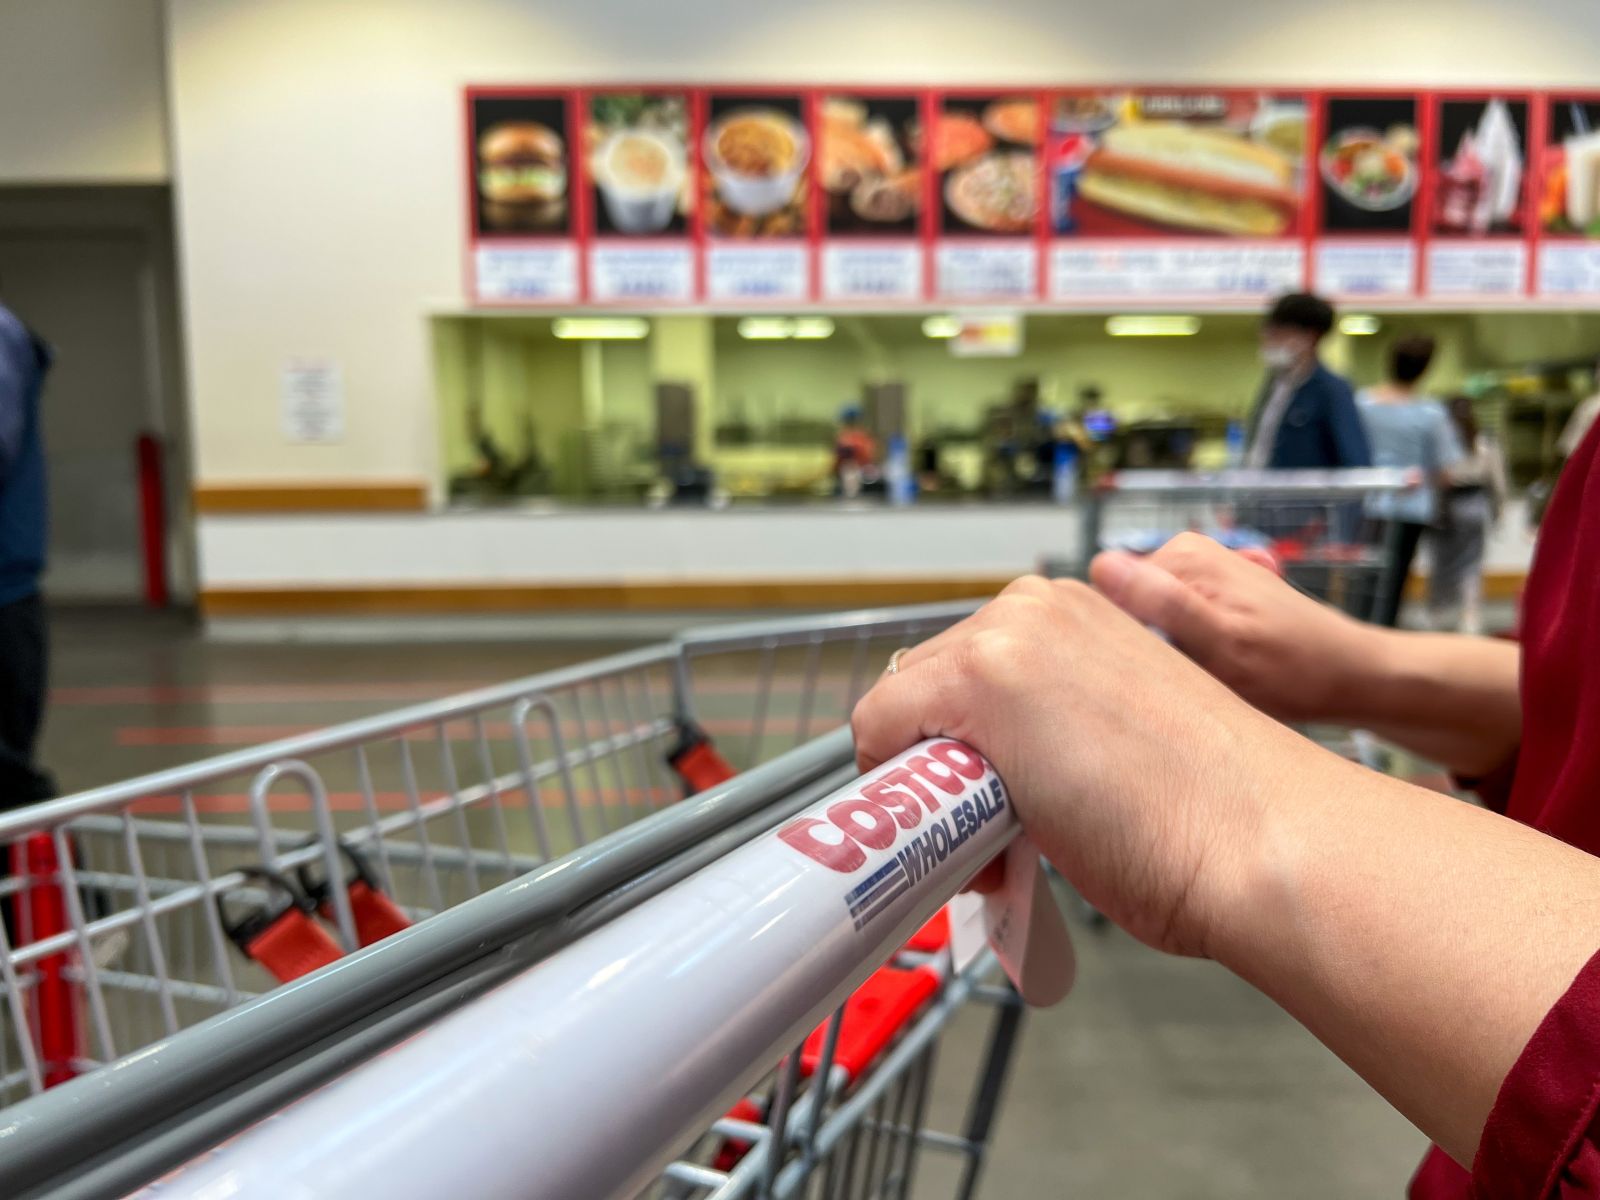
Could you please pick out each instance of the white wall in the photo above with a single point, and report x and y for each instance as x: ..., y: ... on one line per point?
x: 82, y: 96
x: 318, y: 144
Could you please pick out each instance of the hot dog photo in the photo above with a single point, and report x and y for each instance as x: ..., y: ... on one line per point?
x: 1129, y: 164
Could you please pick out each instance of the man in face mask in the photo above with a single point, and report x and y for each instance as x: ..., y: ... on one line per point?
x: 1306, y: 417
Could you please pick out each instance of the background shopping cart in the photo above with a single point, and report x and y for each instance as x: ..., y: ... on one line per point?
x: 1318, y: 525
x: 140, y: 910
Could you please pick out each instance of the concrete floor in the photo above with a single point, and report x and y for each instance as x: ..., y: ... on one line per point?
x: 1157, y: 1078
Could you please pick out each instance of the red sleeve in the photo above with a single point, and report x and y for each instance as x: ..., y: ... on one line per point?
x: 1493, y: 787
x: 1542, y: 1140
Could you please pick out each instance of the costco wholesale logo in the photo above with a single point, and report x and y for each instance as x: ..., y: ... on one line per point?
x: 921, y: 787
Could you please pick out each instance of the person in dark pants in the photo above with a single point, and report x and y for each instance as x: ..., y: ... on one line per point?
x: 24, y: 362
x: 1409, y: 431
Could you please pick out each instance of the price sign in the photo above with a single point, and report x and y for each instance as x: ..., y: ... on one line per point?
x: 1139, y: 270
x: 1463, y: 268
x: 642, y: 273
x: 533, y: 273
x: 884, y: 272
x: 1569, y: 269
x: 1355, y: 268
x: 980, y: 272
x: 756, y: 272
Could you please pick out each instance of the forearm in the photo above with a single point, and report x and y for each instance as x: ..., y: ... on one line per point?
x: 1448, y: 698
x: 1421, y: 939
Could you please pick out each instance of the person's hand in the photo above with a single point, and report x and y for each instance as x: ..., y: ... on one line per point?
x: 1284, y: 652
x: 1141, y: 777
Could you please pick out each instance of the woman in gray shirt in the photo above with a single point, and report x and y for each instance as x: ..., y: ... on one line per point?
x: 1408, y: 430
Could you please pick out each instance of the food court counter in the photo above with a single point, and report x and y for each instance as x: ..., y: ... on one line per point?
x: 551, y: 558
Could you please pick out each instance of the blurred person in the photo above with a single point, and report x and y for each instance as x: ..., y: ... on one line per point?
x: 25, y: 361
x: 855, y: 453
x: 1474, y: 496
x: 1305, y: 417
x: 1448, y: 954
x: 1580, y: 422
x: 1411, y: 431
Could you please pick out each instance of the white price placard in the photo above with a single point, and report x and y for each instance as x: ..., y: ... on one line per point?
x: 641, y: 273
x: 1467, y: 268
x: 974, y: 271
x: 311, y: 400
x: 1386, y: 268
x: 1155, y: 271
x: 1569, y: 269
x: 535, y: 273
x: 872, y: 272
x: 780, y: 273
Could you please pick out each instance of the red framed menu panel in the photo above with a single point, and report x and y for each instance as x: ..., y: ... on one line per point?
x: 787, y: 196
x: 985, y: 193
x: 641, y: 195
x: 871, y: 188
x: 1368, y: 194
x: 524, y: 193
x: 1176, y: 194
x: 1567, y: 198
x: 1477, y: 189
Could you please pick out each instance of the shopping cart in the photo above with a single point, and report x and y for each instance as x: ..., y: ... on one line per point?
x: 174, y: 926
x: 1325, y: 529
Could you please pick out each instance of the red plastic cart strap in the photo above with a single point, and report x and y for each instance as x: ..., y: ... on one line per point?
x: 874, y: 1014
x: 292, y: 944
x: 697, y: 762
x: 732, y: 1149
x: 932, y: 937
x: 376, y: 915
x: 40, y: 912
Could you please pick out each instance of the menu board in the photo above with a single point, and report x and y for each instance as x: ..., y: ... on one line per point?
x: 522, y: 190
x: 756, y: 154
x: 1478, y: 212
x: 872, y: 185
x: 984, y: 155
x: 640, y: 187
x: 791, y: 196
x: 1368, y: 167
x: 1176, y: 194
x: 1568, y: 208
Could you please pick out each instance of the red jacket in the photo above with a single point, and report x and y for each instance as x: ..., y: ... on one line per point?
x: 1543, y: 1137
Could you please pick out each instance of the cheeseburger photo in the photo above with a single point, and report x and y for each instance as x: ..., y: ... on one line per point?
x: 522, y: 176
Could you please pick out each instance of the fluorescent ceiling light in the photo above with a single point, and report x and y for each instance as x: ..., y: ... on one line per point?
x: 1359, y: 325
x: 940, y: 327
x: 766, y: 328
x: 1152, y: 326
x: 613, y: 328
x: 813, y: 328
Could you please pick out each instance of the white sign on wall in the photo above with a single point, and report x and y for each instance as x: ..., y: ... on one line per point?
x: 311, y: 400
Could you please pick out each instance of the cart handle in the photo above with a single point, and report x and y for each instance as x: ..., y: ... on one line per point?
x: 584, y: 1075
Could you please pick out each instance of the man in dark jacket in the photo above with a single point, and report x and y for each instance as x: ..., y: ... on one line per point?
x: 1306, y: 416
x: 24, y: 362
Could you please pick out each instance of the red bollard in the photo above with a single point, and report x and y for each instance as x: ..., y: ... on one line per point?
x: 41, y: 912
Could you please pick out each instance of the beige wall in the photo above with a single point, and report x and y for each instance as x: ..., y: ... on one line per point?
x: 82, y: 96
x: 318, y: 144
